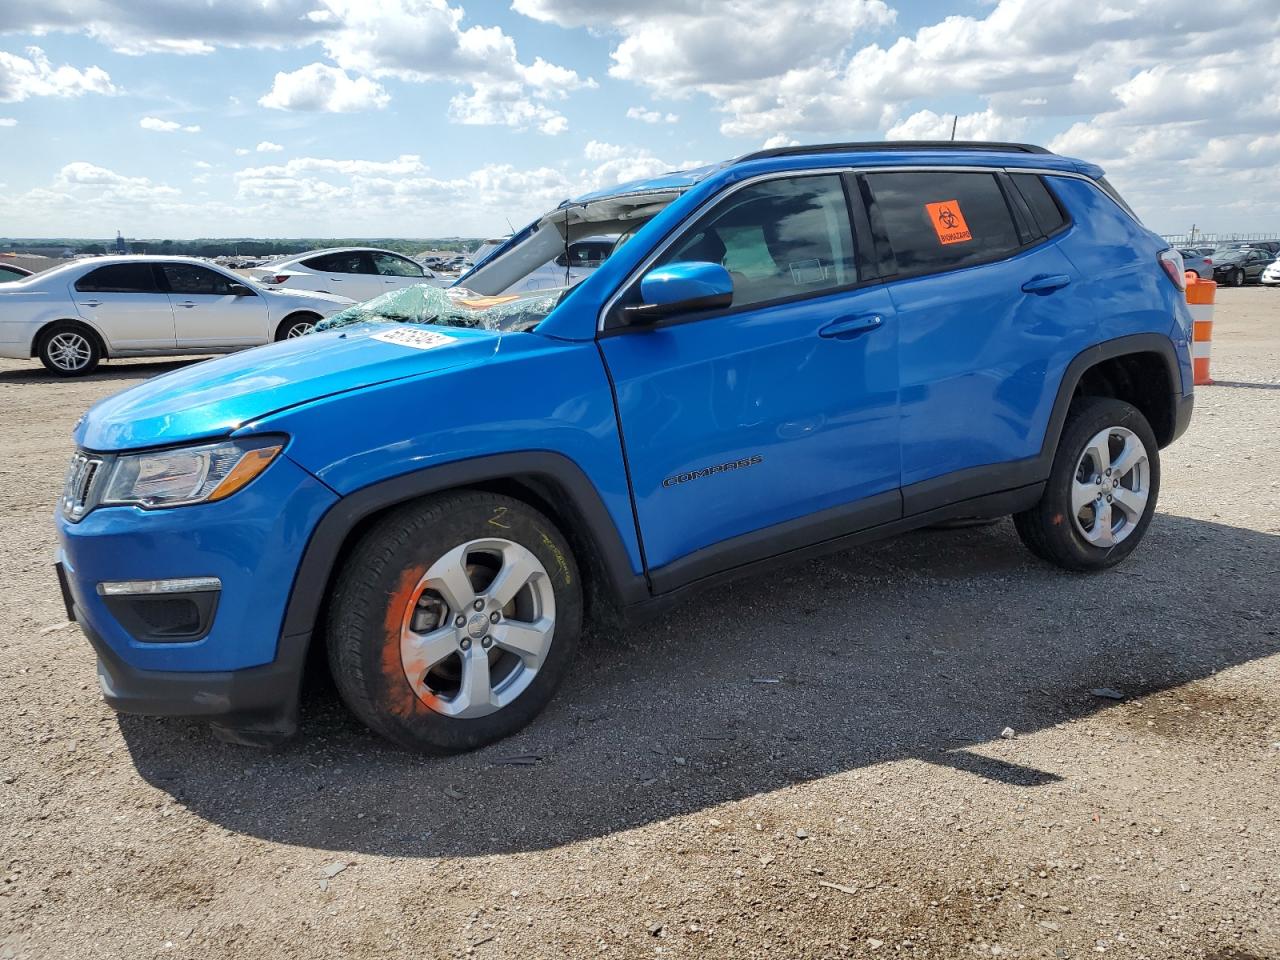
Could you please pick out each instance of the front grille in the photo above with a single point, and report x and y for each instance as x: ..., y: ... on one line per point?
x: 80, y: 489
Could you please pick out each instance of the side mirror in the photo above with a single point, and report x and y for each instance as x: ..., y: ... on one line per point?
x: 240, y: 290
x: 681, y: 288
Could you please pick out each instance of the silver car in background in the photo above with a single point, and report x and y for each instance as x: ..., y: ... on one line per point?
x: 74, y: 316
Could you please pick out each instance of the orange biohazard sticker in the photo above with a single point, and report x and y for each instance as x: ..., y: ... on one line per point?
x: 948, y: 222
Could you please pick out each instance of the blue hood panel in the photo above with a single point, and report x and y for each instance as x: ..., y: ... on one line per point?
x: 213, y: 398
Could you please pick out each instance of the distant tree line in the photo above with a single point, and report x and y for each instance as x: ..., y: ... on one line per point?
x: 246, y: 247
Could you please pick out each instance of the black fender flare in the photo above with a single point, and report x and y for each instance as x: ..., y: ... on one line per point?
x: 576, y: 499
x: 1156, y: 343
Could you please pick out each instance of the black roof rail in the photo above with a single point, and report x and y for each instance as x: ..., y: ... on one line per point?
x: 875, y: 146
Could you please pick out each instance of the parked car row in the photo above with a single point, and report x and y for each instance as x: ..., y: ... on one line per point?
x: 73, y: 316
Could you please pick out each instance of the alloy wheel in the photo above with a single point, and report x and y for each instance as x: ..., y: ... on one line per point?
x: 299, y: 329
x: 478, y: 628
x: 1111, y: 487
x: 69, y: 351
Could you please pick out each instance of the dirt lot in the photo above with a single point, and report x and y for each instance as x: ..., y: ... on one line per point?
x: 864, y: 804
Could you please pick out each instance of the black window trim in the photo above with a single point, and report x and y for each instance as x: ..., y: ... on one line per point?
x: 162, y: 281
x: 1066, y: 224
x: 606, y: 328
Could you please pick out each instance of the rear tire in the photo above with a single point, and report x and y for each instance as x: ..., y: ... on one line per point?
x: 422, y: 646
x: 1101, y: 492
x: 296, y: 325
x: 69, y: 349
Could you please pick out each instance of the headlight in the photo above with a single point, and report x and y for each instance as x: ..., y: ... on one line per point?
x: 186, y: 475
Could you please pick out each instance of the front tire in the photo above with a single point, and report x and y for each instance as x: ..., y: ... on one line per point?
x: 454, y: 621
x: 296, y: 325
x: 1101, y: 492
x: 1237, y: 278
x: 69, y: 349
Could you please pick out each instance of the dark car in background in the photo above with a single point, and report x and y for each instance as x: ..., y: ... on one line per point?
x: 1237, y: 265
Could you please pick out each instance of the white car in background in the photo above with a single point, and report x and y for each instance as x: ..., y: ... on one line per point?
x: 1271, y: 275
x: 73, y: 316
x: 11, y: 271
x: 360, y: 273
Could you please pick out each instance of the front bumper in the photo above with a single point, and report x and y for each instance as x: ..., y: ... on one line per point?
x: 1271, y: 280
x: 240, y: 670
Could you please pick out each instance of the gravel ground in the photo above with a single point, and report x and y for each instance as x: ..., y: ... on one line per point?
x: 808, y: 765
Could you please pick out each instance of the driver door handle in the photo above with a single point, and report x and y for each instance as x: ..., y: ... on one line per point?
x: 186, y: 303
x: 846, y: 327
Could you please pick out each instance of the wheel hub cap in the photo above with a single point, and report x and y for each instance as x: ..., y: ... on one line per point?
x: 477, y: 628
x: 1111, y: 487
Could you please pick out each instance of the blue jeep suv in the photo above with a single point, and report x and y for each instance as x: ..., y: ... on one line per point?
x: 787, y: 354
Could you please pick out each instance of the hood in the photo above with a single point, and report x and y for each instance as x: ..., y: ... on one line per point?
x: 216, y: 397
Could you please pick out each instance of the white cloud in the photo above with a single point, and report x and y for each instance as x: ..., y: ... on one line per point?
x: 34, y: 76
x: 167, y: 126
x: 8, y: 122
x: 368, y: 40
x: 505, y: 104
x: 986, y: 125
x: 320, y: 87
x: 203, y: 165
x: 266, y: 146
x: 779, y: 140
x: 243, y: 151
x: 646, y: 115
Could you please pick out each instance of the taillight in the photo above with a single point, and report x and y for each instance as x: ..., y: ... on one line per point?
x: 1171, y: 261
x: 279, y: 278
x: 1208, y: 262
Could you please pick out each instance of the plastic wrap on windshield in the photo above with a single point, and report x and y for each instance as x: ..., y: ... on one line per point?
x: 453, y: 307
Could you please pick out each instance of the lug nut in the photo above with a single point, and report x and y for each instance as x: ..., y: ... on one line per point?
x: 1108, y: 498
x: 487, y: 642
x: 479, y: 604
x: 495, y: 617
x: 465, y: 644
x: 1098, y: 478
x: 460, y: 622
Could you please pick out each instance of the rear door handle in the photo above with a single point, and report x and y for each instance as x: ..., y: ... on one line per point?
x: 847, y: 327
x: 1046, y: 283
x: 91, y: 303
x: 186, y: 303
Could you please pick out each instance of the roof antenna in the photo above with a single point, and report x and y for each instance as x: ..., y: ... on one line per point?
x: 955, y: 118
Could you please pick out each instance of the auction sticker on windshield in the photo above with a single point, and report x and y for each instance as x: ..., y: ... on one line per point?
x: 418, y: 339
x: 948, y: 222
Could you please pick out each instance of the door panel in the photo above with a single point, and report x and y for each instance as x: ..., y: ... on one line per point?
x: 798, y: 422
x: 987, y: 324
x: 981, y: 361
x: 207, y: 314
x: 124, y: 302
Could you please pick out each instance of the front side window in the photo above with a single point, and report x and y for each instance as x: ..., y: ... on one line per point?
x: 119, y: 278
x: 392, y: 266
x: 940, y: 220
x: 778, y: 239
x: 190, y: 279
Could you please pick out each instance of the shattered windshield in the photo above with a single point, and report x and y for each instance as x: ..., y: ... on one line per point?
x: 451, y: 307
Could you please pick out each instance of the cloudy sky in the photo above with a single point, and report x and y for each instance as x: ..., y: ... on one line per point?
x: 184, y: 118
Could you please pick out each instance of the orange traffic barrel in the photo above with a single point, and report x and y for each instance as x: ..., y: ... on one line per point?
x: 1200, y: 303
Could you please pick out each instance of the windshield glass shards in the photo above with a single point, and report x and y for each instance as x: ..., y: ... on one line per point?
x: 451, y: 307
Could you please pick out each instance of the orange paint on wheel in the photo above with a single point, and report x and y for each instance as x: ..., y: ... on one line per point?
x: 401, y: 699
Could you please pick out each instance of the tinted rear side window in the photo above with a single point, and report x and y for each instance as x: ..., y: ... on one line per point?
x: 119, y: 278
x: 355, y: 262
x: 938, y: 220
x: 1041, y: 201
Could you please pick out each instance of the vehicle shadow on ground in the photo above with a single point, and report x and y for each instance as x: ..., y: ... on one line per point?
x: 134, y: 370
x: 923, y: 647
